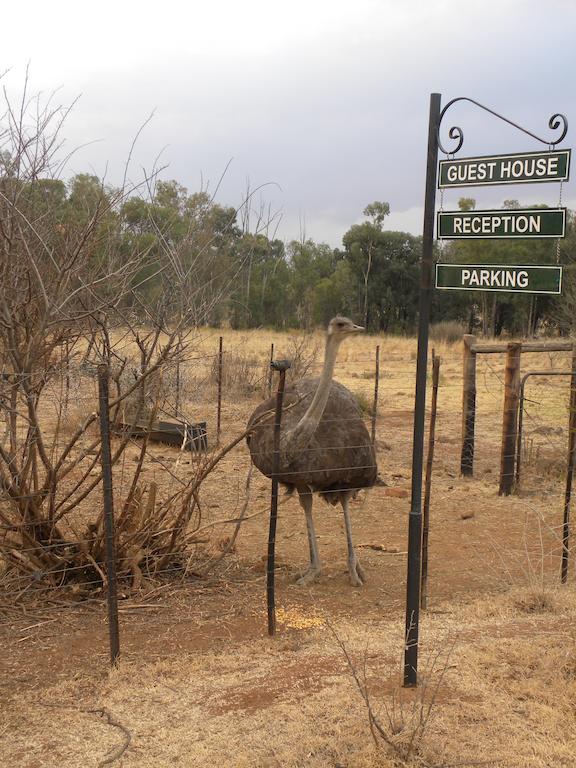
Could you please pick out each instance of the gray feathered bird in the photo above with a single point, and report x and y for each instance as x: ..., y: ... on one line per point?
x: 325, y: 447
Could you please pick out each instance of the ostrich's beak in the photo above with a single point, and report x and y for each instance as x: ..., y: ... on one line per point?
x: 358, y: 329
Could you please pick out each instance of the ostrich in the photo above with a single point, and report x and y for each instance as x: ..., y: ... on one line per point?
x: 324, y: 446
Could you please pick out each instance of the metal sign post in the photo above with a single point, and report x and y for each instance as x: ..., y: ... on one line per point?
x: 507, y: 169
x: 415, y: 518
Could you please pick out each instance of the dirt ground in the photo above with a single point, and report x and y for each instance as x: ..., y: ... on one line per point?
x: 200, y: 683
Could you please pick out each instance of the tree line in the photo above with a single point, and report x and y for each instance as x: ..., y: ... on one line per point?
x: 230, y: 268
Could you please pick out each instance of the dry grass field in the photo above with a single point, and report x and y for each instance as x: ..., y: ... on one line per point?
x: 200, y: 683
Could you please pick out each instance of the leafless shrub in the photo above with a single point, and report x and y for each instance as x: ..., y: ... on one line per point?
x: 400, y: 721
x: 242, y: 373
x: 71, y: 299
x: 302, y: 351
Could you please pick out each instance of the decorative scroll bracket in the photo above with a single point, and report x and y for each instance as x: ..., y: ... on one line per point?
x: 556, y: 122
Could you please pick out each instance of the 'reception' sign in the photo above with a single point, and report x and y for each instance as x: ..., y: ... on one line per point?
x: 496, y: 277
x: 503, y: 224
x: 525, y: 168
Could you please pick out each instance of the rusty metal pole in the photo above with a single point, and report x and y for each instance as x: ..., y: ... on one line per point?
x: 569, y: 473
x: 468, y: 406
x: 281, y: 366
x: 106, y: 461
x: 220, y: 367
x: 510, y: 417
x: 375, y: 406
x: 428, y: 481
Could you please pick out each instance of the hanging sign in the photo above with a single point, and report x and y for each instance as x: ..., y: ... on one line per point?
x: 499, y: 277
x: 501, y: 224
x: 525, y: 168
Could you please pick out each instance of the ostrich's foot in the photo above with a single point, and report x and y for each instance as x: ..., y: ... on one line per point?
x: 357, y: 575
x: 309, y: 576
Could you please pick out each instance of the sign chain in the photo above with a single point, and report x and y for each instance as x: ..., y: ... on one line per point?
x: 559, y: 206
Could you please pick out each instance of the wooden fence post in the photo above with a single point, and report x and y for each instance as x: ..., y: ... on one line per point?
x: 468, y: 406
x: 510, y: 417
x: 107, y: 490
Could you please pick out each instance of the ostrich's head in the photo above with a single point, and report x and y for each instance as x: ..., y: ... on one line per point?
x: 341, y: 327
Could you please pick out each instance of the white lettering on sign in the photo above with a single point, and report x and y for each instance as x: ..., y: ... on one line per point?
x: 503, y: 224
x: 529, y: 167
x: 506, y: 169
x: 494, y: 278
x: 469, y: 172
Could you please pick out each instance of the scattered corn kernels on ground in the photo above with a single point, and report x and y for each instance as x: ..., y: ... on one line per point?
x: 296, y: 618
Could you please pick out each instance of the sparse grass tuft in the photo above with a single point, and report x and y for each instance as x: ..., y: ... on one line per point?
x: 536, y: 601
x: 447, y: 331
x: 365, y: 403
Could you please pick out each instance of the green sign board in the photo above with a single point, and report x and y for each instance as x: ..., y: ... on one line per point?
x: 499, y: 277
x: 524, y: 168
x: 485, y: 225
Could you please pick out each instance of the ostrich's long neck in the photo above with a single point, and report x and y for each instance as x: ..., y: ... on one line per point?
x: 299, y: 435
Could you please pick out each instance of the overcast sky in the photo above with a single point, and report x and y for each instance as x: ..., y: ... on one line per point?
x: 324, y: 102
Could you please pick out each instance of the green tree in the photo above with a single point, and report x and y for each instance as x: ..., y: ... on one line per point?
x: 361, y: 242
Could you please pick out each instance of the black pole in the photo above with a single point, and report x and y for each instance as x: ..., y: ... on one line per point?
x: 415, y: 518
x: 106, y: 461
x: 569, y: 473
x: 219, y: 408
x: 270, y: 370
x: 375, y: 406
x: 281, y: 366
x: 428, y: 482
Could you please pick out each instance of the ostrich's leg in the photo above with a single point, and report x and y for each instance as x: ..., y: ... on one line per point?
x: 356, y: 573
x: 313, y: 571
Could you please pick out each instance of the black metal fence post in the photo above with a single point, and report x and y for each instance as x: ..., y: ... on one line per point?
x: 468, y: 406
x: 106, y: 461
x: 178, y: 384
x: 270, y: 370
x: 569, y: 473
x: 67, y: 364
x: 220, y: 367
x: 415, y: 517
x: 376, y: 381
x: 428, y: 481
x: 281, y: 366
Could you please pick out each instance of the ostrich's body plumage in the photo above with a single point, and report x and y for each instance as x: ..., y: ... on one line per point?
x: 337, y: 457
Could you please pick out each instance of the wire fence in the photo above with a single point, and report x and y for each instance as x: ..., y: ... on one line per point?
x: 478, y: 541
